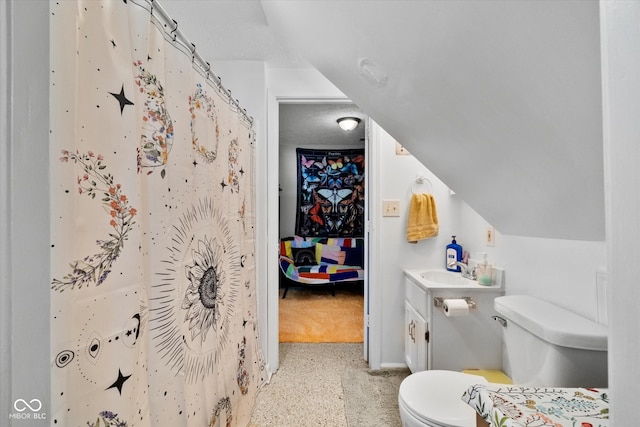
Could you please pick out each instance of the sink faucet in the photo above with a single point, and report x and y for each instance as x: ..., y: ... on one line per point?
x: 466, y: 271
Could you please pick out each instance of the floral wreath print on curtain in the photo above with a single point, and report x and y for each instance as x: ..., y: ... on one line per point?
x: 95, y: 268
x: 233, y: 179
x: 223, y: 404
x: 107, y: 419
x: 242, y: 376
x: 156, y: 140
x: 200, y: 101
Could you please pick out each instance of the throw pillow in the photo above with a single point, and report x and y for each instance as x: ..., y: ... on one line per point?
x: 304, y: 256
x: 353, y: 256
x: 287, y: 243
x: 329, y: 254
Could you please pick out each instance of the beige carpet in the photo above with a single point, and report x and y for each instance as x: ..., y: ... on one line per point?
x: 307, y: 390
x: 313, y: 315
x: 371, y: 397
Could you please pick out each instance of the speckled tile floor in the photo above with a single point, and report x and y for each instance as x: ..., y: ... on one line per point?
x: 307, y: 389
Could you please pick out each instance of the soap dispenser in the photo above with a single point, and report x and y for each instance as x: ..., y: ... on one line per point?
x: 484, y: 271
x: 454, y: 254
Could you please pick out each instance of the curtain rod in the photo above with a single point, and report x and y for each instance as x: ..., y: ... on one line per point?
x: 177, y: 36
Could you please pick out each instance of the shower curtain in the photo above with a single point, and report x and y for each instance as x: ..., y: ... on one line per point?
x: 153, y: 305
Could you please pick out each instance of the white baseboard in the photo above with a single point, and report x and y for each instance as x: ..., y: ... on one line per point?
x: 392, y: 365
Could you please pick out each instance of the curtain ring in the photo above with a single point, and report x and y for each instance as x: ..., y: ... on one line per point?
x: 174, y: 30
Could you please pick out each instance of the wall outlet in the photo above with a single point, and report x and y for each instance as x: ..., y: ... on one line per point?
x: 391, y: 208
x: 401, y: 151
x: 490, y: 236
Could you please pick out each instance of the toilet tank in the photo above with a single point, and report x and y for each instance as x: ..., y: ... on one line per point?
x: 547, y: 345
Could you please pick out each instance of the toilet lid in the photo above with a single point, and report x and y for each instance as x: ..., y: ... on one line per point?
x: 435, y: 397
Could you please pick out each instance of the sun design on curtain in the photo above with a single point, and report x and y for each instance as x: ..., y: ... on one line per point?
x: 204, y: 296
x: 211, y: 278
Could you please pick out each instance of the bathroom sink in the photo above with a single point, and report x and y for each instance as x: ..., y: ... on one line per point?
x: 446, y: 278
x: 439, y: 278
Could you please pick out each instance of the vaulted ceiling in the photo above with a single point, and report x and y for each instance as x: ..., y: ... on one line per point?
x: 501, y: 100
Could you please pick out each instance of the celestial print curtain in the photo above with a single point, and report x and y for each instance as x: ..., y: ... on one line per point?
x: 153, y: 283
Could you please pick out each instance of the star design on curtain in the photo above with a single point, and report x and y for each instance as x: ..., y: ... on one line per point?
x: 119, y: 382
x: 122, y: 99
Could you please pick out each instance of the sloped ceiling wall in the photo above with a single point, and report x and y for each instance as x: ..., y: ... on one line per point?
x: 501, y: 100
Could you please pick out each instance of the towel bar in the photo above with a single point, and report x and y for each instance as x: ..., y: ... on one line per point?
x: 421, y: 179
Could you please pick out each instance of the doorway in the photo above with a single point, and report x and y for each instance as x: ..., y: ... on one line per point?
x: 321, y: 196
x: 296, y: 103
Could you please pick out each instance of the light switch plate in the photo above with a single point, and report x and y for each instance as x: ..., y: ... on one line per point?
x: 391, y: 208
x: 490, y: 236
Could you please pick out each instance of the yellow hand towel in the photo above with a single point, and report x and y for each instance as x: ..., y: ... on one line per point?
x: 422, y: 221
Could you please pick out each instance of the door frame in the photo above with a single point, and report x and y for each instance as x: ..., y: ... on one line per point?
x: 274, y: 99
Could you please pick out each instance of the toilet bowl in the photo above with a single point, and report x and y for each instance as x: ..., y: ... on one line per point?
x: 543, y: 345
x: 433, y: 398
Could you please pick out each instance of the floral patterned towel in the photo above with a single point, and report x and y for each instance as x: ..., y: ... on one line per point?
x: 512, y: 406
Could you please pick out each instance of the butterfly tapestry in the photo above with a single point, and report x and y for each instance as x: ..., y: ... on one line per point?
x: 331, y: 194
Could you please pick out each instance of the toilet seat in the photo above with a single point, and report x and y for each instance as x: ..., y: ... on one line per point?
x: 434, y: 398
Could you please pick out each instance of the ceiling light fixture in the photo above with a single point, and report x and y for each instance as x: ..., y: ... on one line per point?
x: 348, y: 123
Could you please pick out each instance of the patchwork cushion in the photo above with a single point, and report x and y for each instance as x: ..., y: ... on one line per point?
x: 329, y: 254
x: 322, y: 240
x: 328, y: 273
x: 349, y: 242
x: 353, y: 256
x: 332, y: 259
x: 296, y: 242
x: 304, y: 256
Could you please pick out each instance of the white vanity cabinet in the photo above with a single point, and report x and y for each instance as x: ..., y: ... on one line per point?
x: 416, y: 334
x: 436, y: 341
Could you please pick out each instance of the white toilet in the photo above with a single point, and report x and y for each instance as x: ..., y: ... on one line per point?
x: 543, y: 345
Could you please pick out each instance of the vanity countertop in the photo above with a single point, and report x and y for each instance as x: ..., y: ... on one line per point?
x: 435, y: 279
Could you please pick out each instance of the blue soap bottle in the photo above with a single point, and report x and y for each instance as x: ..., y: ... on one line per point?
x: 454, y: 254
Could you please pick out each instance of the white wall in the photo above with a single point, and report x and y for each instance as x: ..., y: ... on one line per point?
x: 560, y: 271
x: 247, y: 80
x: 301, y: 83
x: 288, y: 184
x: 620, y: 37
x: 24, y: 210
x: 397, y: 175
